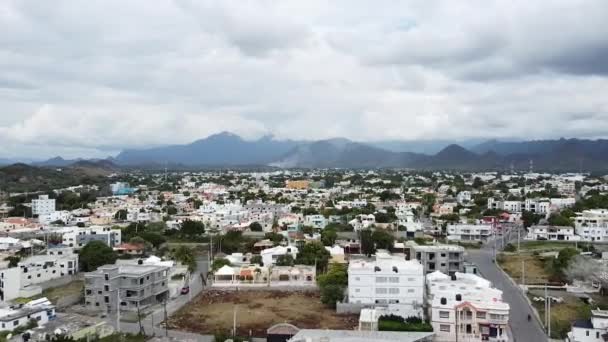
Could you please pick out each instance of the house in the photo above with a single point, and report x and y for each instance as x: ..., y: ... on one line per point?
x: 324, y: 335
x: 553, y: 233
x: 465, y: 307
x: 469, y: 232
x: 363, y: 221
x: 448, y: 259
x: 270, y: 255
x: 590, y: 330
x: 315, y: 221
x: 54, y: 216
x: 9, y: 243
x: 21, y: 281
x: 245, y: 275
x: 387, y: 281
x: 297, y: 275
x: 130, y: 249
x: 41, y: 310
x: 407, y: 219
x: 463, y: 197
x: 592, y: 225
x: 337, y: 254
x: 134, y: 286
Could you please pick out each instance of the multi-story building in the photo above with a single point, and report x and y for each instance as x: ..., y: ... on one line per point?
x: 63, y: 216
x: 270, y: 255
x: 78, y: 237
x: 21, y: 281
x: 554, y: 233
x: 590, y: 330
x: 463, y: 197
x: 448, y: 259
x: 469, y: 232
x: 407, y: 219
x: 465, y: 307
x: 592, y: 225
x: 41, y: 310
x: 43, y: 205
x: 387, y: 281
x: 315, y: 221
x: 133, y: 286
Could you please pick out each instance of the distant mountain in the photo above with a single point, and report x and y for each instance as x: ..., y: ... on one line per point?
x: 422, y: 146
x: 342, y: 153
x: 219, y: 149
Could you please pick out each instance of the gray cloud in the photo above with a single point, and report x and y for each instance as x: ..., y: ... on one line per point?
x: 88, y: 79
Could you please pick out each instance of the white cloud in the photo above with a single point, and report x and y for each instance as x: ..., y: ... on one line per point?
x: 88, y: 79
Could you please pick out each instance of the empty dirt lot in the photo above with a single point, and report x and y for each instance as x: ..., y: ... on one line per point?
x: 257, y: 311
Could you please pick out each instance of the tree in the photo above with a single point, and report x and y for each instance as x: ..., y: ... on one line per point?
x: 332, y: 284
x: 313, y: 253
x: 285, y: 260
x: 560, y: 220
x: 153, y: 238
x: 477, y: 183
x: 171, y: 210
x: 95, y: 254
x: 328, y: 237
x: 192, y: 229
x: 367, y: 243
x: 185, y: 255
x: 383, y: 239
x: 219, y: 263
x: 121, y: 215
x: 257, y: 259
x: 562, y: 261
x: 256, y: 227
x: 529, y: 218
x: 274, y: 237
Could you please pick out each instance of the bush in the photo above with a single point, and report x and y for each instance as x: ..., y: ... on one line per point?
x: 510, y: 248
x: 397, y: 323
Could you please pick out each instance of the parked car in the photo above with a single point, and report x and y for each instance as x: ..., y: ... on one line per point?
x: 185, y: 290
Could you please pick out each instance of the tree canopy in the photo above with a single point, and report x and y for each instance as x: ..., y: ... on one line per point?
x: 95, y: 254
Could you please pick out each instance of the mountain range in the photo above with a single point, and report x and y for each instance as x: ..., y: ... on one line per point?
x: 230, y: 150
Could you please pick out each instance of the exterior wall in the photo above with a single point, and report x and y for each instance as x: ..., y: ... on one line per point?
x: 42, y: 316
x: 586, y: 335
x: 445, y: 260
x: 43, y: 205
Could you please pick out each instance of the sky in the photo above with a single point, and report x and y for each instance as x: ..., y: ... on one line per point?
x: 89, y: 78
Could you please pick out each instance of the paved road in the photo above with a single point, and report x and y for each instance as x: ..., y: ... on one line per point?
x: 522, y: 329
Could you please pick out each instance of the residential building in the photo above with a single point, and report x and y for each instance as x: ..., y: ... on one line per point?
x: 325, y: 335
x: 297, y: 184
x: 469, y: 232
x: 465, y: 307
x: 43, y: 205
x: 41, y: 310
x: 590, y: 330
x: 553, y: 233
x: 270, y: 255
x: 78, y: 237
x: 407, y: 219
x: 387, y: 281
x: 21, y: 281
x: 592, y: 225
x: 363, y: 221
x: 315, y: 221
x: 63, y: 216
x: 463, y: 197
x: 133, y: 286
x: 448, y: 259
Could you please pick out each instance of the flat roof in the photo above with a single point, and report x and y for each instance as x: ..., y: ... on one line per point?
x: 359, y: 336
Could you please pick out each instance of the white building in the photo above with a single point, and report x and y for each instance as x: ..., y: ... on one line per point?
x: 388, y: 281
x: 463, y: 197
x: 590, y: 330
x: 465, y: 307
x: 21, y: 281
x: 469, y: 232
x: 363, y: 221
x: 41, y: 310
x: 63, y: 216
x: 78, y: 237
x: 270, y: 255
x: 553, y: 233
x: 407, y: 219
x: 43, y: 205
x: 315, y: 221
x: 592, y: 225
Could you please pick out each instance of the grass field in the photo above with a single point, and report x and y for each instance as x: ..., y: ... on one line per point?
x: 256, y: 311
x: 534, y: 267
x: 545, y: 245
x: 53, y: 294
x: 562, y: 314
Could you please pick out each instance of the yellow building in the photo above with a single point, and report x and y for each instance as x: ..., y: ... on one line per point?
x: 298, y: 184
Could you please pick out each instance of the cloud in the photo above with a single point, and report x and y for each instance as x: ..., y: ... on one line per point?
x: 89, y: 79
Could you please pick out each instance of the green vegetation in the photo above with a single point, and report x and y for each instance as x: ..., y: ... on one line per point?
x: 186, y: 256
x: 95, y: 254
x: 285, y: 260
x: 219, y: 263
x: 398, y: 323
x: 332, y: 284
x: 328, y: 237
x: 314, y: 253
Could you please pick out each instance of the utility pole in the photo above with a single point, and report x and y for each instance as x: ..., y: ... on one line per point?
x: 234, y: 321
x: 523, y: 274
x: 518, y: 237
x: 549, y: 315
x: 166, y: 322
x: 546, y: 307
x: 118, y: 309
x: 141, y: 328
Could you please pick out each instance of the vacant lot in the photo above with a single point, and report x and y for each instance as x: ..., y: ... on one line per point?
x: 534, y: 267
x: 54, y: 294
x: 257, y: 311
x: 544, y: 246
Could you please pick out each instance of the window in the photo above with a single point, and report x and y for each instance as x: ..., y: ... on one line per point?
x: 357, y: 290
x: 16, y: 323
x: 587, y: 332
x: 357, y: 278
x: 393, y: 291
x: 443, y: 255
x: 410, y: 279
x: 106, y: 288
x: 444, y: 314
x: 393, y: 279
x: 411, y: 290
x: 380, y: 279
x: 481, y: 314
x: 444, y: 327
x: 380, y: 291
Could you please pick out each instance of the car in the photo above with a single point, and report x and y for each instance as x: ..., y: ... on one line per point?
x: 185, y: 290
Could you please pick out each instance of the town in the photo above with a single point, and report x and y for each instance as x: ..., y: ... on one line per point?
x: 308, y: 255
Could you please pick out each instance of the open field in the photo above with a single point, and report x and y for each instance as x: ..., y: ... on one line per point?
x: 256, y: 311
x: 542, y: 246
x: 535, y: 271
x: 55, y: 293
x: 562, y: 314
